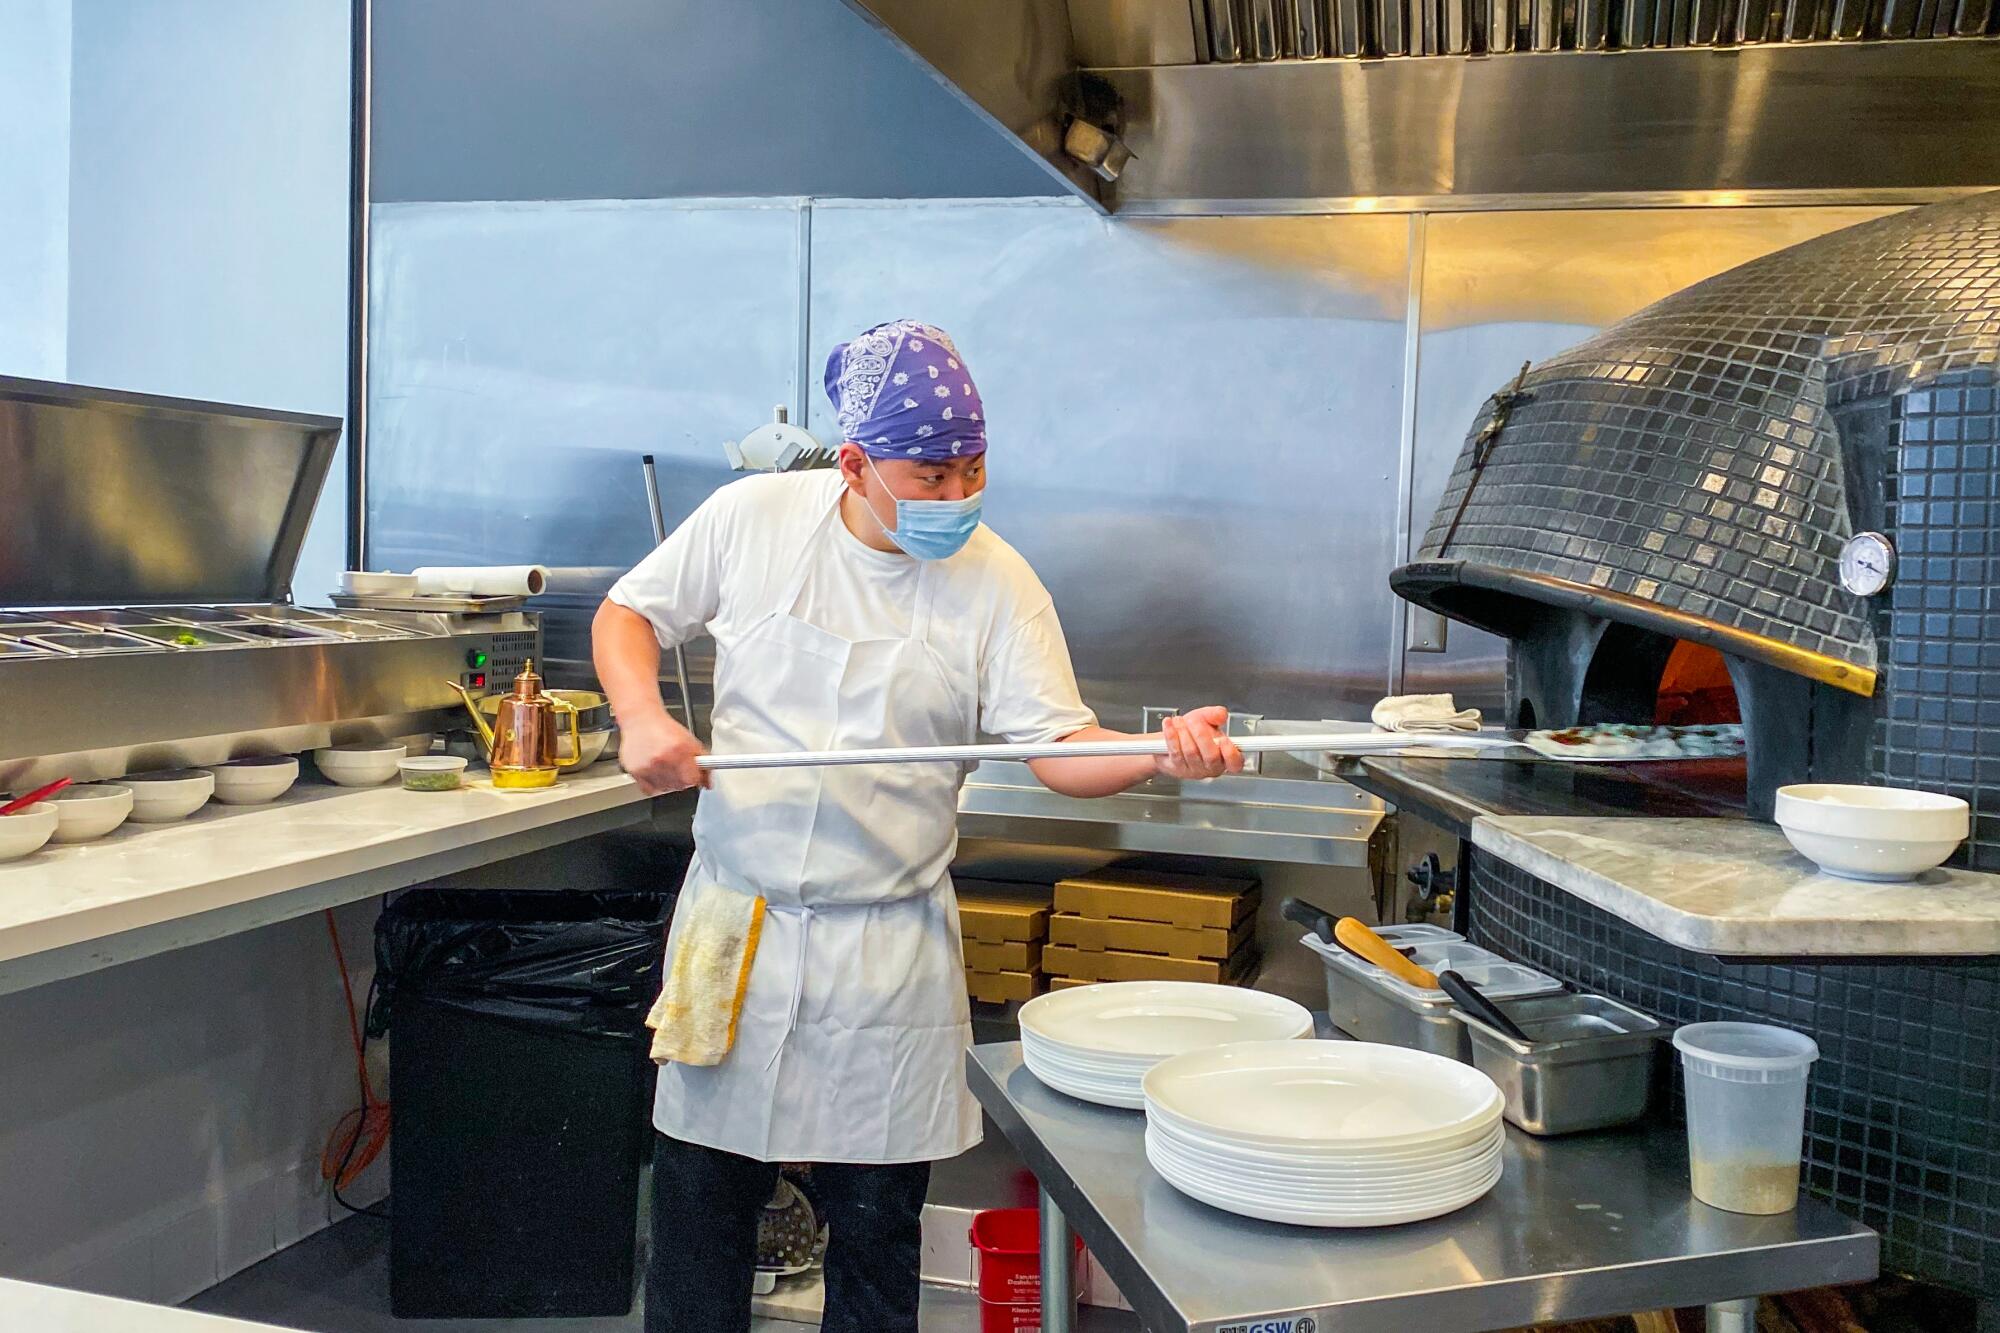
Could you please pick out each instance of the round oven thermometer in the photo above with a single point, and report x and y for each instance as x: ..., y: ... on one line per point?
x: 1867, y: 563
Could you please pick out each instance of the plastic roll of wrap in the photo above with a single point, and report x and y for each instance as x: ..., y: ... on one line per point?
x: 484, y: 580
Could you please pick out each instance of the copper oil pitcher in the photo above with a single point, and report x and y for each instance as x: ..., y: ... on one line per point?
x: 521, y: 744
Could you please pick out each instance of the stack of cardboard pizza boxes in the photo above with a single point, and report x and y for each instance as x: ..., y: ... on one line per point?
x: 1139, y: 925
x: 1005, y: 927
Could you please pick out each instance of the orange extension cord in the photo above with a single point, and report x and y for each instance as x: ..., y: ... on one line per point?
x: 360, y: 1135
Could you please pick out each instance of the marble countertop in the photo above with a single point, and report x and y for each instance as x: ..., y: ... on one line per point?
x: 1735, y: 887
x: 149, y: 887
x: 31, y: 1306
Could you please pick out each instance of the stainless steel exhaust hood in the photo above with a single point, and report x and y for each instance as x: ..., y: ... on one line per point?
x: 1263, y: 106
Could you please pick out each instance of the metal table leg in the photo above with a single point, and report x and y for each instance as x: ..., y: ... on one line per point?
x: 1058, y: 1270
x: 1733, y: 1316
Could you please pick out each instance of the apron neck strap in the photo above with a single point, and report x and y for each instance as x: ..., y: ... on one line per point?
x: 795, y: 582
x: 920, y: 614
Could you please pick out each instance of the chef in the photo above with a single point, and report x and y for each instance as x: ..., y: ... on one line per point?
x: 864, y: 606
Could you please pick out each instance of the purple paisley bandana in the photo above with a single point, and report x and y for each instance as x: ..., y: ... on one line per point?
x: 900, y: 391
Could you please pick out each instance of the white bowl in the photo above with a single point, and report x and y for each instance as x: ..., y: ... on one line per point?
x: 161, y: 798
x: 91, y: 811
x: 255, y: 781
x: 369, y: 583
x: 27, y: 830
x: 360, y: 765
x: 1879, y: 834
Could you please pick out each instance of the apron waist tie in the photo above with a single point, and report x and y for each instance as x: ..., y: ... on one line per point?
x: 798, y: 983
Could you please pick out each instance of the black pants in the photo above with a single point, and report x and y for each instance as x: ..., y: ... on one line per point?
x: 705, y: 1206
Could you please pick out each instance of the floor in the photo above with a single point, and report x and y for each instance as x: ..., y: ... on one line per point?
x: 338, y: 1282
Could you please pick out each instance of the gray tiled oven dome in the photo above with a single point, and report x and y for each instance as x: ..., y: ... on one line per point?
x: 1696, y: 468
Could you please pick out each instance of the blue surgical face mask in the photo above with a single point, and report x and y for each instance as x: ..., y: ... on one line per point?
x: 930, y: 529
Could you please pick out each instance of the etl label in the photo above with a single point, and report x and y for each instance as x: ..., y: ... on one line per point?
x: 1304, y: 1323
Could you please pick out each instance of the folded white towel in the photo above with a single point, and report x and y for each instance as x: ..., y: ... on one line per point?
x: 1423, y: 712
x: 701, y: 997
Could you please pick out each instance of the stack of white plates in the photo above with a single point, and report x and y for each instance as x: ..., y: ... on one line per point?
x: 1097, y: 1042
x: 1324, y: 1133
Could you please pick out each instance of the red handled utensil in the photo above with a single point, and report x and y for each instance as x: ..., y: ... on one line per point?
x: 38, y: 794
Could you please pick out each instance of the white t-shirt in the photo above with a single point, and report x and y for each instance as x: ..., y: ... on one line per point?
x: 728, y: 564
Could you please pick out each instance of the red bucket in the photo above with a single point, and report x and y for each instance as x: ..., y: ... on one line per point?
x: 1009, y: 1242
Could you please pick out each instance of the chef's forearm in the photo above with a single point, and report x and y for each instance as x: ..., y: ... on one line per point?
x: 626, y: 652
x: 1094, y: 775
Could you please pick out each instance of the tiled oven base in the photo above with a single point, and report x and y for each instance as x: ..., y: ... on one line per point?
x: 1903, y: 1117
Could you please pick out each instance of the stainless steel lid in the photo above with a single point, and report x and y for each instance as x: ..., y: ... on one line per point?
x: 127, y: 499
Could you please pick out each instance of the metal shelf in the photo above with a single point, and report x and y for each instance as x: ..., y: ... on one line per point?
x: 1305, y: 821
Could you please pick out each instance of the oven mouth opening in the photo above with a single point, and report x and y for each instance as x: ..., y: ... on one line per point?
x: 1639, y: 676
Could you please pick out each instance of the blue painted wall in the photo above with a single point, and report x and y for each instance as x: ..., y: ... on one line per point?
x: 208, y: 212
x: 34, y: 186
x: 190, y: 157
x: 652, y: 99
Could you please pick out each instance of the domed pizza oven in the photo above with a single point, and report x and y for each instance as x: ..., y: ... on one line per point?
x: 1771, y: 495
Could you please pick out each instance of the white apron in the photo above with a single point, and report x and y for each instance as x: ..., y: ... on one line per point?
x: 852, y: 1040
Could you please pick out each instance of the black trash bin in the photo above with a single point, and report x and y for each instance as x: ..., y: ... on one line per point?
x: 518, y: 1097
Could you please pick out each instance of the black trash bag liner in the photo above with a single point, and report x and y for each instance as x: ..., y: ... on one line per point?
x: 587, y: 964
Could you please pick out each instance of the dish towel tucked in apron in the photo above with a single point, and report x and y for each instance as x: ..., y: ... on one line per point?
x: 694, y: 1020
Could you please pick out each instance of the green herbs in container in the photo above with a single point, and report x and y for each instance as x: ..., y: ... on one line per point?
x: 432, y: 772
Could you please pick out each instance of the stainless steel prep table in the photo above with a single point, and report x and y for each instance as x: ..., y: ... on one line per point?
x: 1577, y: 1228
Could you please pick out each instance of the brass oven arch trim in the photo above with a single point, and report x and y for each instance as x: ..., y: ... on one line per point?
x: 1422, y: 581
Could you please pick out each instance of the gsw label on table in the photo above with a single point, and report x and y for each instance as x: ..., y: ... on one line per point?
x: 1304, y: 1323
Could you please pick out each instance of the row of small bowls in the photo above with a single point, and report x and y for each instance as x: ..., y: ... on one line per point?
x: 85, y: 813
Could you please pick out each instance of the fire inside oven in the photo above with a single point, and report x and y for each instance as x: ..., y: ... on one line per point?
x: 1636, y: 675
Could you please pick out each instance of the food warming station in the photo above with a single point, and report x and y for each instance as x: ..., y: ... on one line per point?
x: 147, y: 548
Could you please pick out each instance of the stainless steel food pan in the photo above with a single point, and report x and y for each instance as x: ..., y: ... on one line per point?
x: 1589, y: 1066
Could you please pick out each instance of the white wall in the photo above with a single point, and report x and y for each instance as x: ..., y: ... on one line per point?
x: 34, y: 186
x: 161, y: 1122
x: 208, y: 186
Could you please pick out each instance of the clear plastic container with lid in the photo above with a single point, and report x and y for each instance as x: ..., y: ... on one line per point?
x: 1746, y: 1107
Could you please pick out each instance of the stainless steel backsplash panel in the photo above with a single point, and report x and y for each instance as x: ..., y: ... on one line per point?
x: 1195, y: 429
x: 1211, y: 415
